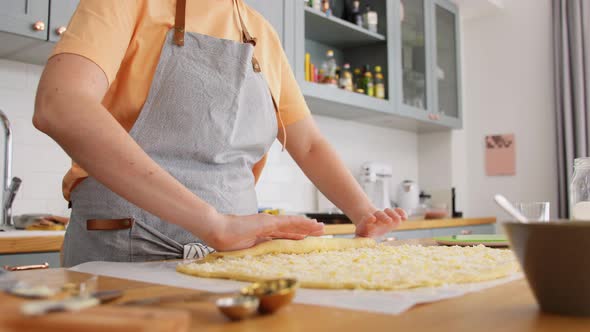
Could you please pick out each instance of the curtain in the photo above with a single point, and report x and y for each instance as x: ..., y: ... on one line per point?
x: 571, y: 41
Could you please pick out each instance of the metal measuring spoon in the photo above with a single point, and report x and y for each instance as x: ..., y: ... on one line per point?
x: 266, y: 296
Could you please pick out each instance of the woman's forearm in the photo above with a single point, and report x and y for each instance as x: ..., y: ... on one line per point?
x: 321, y: 164
x: 84, y: 128
x: 324, y: 168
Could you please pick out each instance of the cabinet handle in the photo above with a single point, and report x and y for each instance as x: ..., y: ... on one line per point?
x: 466, y: 232
x: 39, y: 26
x: 60, y: 30
x: 26, y: 267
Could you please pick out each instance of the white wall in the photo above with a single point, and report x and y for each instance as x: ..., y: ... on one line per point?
x: 37, y: 159
x: 508, y: 88
x: 283, y: 185
x: 41, y: 163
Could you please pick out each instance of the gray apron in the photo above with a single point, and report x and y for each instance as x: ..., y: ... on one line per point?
x: 208, y: 118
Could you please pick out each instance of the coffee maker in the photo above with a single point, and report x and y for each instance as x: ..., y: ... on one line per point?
x: 375, y: 178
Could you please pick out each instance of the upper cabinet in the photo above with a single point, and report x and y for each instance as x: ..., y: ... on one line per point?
x: 272, y: 11
x: 28, y: 18
x: 414, y: 68
x: 60, y: 13
x: 446, y: 32
x: 26, y: 25
x: 413, y: 49
x: 406, y: 54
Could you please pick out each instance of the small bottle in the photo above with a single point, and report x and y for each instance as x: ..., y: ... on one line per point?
x: 355, y: 13
x: 370, y: 19
x: 316, y: 4
x: 357, y: 77
x: 329, y: 68
x: 326, y: 7
x: 368, y: 83
x: 345, y: 81
x: 321, y: 76
x: 379, y: 83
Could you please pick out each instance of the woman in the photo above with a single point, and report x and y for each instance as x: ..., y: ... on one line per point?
x: 173, y: 127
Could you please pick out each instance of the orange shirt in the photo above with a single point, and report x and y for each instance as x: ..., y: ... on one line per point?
x: 124, y: 38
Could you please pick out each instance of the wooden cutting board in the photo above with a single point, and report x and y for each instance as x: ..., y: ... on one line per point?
x: 103, y: 318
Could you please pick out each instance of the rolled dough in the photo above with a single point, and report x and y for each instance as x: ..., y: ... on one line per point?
x: 356, y: 263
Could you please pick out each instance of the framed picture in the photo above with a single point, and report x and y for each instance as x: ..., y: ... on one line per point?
x: 500, y: 155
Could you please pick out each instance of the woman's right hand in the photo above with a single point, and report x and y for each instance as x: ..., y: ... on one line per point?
x: 240, y: 232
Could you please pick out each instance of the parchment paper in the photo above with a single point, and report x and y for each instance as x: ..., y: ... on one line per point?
x: 387, y: 302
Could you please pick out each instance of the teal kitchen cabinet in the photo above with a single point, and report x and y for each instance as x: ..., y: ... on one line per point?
x: 446, y: 63
x: 272, y: 11
x: 26, y: 26
x: 60, y: 13
x: 29, y: 18
x: 417, y: 46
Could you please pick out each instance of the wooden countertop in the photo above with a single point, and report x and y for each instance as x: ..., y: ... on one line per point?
x: 506, y: 308
x: 417, y: 224
x: 28, y: 244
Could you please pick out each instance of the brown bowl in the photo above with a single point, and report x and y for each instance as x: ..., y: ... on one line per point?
x: 555, y: 257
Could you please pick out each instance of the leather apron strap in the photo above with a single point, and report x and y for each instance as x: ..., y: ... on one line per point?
x: 179, y: 22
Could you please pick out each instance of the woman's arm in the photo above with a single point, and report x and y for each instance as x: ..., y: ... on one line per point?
x: 68, y: 108
x: 323, y: 167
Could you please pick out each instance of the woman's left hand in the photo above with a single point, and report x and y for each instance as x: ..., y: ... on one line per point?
x: 379, y: 223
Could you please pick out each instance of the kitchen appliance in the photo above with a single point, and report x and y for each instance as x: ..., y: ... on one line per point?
x: 408, y: 196
x: 375, y: 178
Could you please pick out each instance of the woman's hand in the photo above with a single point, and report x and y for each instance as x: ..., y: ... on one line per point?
x: 379, y: 223
x: 239, y: 232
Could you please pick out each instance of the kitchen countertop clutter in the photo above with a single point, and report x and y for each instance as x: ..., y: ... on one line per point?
x: 51, y: 241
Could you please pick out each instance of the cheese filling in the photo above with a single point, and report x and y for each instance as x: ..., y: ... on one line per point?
x: 380, y: 267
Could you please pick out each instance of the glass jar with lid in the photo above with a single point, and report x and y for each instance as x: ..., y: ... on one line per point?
x: 580, y: 190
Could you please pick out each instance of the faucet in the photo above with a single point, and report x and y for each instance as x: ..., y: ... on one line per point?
x: 10, y: 185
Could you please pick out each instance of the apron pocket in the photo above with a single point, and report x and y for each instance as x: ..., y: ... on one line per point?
x: 149, y: 244
x: 83, y: 245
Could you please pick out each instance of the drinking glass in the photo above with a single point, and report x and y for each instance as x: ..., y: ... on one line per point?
x: 535, y: 211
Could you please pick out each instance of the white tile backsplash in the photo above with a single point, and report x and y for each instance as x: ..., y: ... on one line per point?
x: 41, y: 163
x: 355, y: 143
x: 37, y: 159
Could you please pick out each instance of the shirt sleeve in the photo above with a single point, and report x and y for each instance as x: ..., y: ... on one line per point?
x: 292, y: 106
x: 100, y: 31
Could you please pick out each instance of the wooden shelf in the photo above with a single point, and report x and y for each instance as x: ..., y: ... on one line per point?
x: 337, y: 32
x: 329, y: 101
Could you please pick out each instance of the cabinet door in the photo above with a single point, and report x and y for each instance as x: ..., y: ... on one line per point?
x: 414, y: 54
x: 272, y: 11
x: 446, y: 70
x: 61, y: 12
x: 25, y: 17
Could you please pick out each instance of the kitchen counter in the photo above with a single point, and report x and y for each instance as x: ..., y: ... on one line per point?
x: 30, y: 241
x: 510, y: 307
x: 51, y: 241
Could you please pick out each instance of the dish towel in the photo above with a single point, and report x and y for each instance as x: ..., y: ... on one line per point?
x: 196, y: 251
